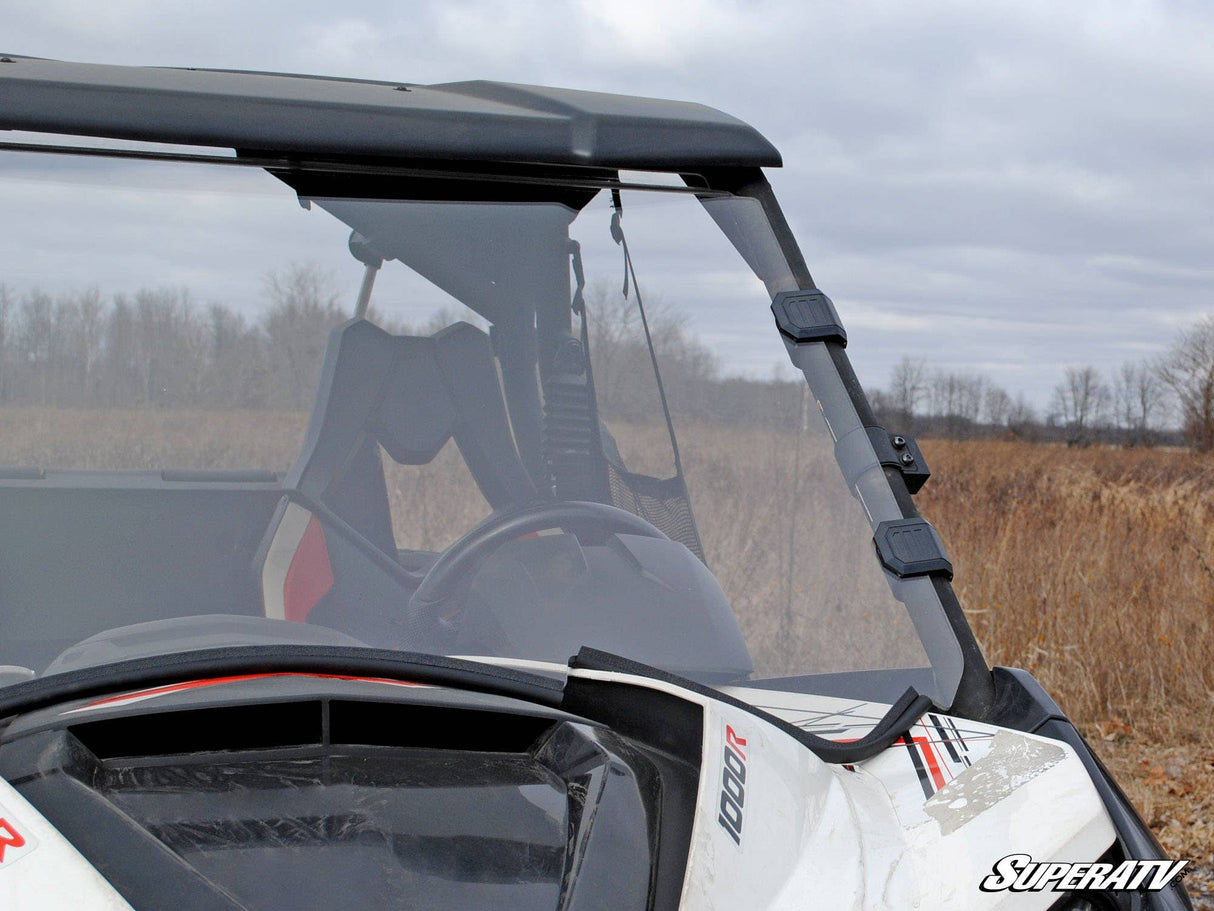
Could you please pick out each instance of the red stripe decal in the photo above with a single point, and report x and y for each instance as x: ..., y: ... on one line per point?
x: 933, y: 765
x: 310, y: 576
x: 216, y: 681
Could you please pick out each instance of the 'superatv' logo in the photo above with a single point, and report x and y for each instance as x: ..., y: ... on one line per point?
x: 1019, y: 873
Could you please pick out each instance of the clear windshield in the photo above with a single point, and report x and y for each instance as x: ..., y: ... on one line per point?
x: 494, y: 466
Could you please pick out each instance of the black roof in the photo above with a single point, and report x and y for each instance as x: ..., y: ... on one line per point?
x: 320, y: 116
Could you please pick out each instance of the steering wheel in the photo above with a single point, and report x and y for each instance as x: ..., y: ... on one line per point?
x: 583, y: 518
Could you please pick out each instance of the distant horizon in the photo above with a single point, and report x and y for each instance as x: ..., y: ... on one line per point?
x: 335, y: 297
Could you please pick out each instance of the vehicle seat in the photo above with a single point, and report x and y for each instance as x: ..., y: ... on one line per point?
x: 410, y: 395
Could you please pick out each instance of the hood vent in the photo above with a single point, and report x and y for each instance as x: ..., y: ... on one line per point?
x: 310, y: 723
x: 327, y: 802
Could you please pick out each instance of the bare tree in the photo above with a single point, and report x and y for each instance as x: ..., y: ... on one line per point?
x: 996, y: 405
x: 35, y: 341
x: 907, y: 390
x: 1188, y: 371
x: 623, y: 375
x: 971, y: 392
x: 7, y: 306
x: 956, y: 399
x: 119, y: 379
x: 304, y: 307
x: 235, y: 374
x: 73, y: 351
x: 1138, y: 399
x: 1022, y: 418
x: 156, y: 348
x: 92, y: 329
x: 1082, y: 401
x: 171, y: 347
x: 941, y: 392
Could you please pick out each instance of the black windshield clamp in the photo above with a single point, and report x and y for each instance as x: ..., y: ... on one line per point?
x: 911, y: 547
x: 808, y: 316
x: 899, y: 450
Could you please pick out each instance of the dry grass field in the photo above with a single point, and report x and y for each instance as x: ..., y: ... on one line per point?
x: 1093, y: 568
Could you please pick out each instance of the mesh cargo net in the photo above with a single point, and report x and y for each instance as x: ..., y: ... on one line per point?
x: 664, y: 504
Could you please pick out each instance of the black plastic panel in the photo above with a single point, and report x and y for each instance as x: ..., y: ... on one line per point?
x: 808, y: 316
x: 899, y: 450
x: 91, y: 552
x: 911, y: 547
x: 468, y: 121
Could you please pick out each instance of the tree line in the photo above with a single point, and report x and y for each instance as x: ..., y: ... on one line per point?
x: 1167, y: 399
x: 160, y: 348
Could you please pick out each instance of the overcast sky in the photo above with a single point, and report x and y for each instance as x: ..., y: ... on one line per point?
x: 1002, y: 187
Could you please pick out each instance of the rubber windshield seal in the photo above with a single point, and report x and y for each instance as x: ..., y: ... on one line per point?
x: 893, y: 724
x: 345, y: 661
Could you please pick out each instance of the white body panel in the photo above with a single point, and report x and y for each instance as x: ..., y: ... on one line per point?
x: 44, y: 871
x: 917, y: 826
x: 870, y: 836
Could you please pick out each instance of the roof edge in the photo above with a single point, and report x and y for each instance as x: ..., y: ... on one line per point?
x: 289, y: 114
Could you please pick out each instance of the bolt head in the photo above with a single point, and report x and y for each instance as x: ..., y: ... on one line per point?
x: 908, y: 459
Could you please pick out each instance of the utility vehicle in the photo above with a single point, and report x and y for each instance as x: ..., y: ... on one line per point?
x: 474, y: 647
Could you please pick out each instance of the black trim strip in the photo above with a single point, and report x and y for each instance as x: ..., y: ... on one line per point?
x: 965, y: 747
x: 944, y: 738
x: 913, y: 749
x: 346, y: 167
x: 898, y: 720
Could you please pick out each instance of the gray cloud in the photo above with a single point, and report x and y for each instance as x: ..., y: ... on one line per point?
x: 1010, y: 187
